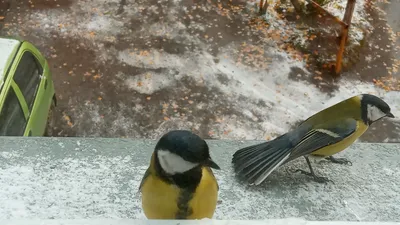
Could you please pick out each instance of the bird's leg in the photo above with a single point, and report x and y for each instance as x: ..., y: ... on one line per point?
x: 311, y: 173
x: 261, y: 7
x: 264, y: 8
x: 339, y: 160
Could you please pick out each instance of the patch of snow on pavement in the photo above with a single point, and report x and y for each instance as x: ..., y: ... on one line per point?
x: 150, y: 82
x: 152, y: 60
x: 359, y: 20
x: 68, y: 178
x: 262, y: 104
x: 286, y: 101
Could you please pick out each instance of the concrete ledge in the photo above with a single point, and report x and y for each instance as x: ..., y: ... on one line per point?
x: 87, y: 178
x: 289, y: 221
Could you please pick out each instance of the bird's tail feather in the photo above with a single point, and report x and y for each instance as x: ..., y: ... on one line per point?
x: 256, y: 162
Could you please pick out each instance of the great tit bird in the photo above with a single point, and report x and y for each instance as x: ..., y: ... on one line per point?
x: 321, y: 135
x: 179, y: 183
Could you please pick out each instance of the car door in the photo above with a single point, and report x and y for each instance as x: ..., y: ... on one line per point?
x: 12, y: 117
x: 27, y: 78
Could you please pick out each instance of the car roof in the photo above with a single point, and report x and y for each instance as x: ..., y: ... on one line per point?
x: 8, y: 49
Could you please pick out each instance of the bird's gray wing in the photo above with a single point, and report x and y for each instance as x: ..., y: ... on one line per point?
x: 146, y: 174
x: 326, y: 134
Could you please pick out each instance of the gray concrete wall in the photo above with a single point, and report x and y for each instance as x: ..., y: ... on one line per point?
x: 77, y: 178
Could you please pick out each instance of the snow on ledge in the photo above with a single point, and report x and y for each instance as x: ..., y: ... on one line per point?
x: 288, y: 221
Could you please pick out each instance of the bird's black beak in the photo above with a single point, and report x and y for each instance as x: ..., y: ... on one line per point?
x: 211, y: 164
x: 390, y: 115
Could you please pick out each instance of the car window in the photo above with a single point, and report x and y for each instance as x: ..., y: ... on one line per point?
x: 12, y: 119
x: 27, y: 77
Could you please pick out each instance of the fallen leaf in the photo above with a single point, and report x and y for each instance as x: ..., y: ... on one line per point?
x: 68, y: 119
x: 144, y: 53
x: 312, y: 37
x: 318, y: 78
x: 227, y: 132
x: 276, y: 36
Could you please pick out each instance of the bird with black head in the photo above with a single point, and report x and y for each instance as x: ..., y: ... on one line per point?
x: 179, y: 183
x: 322, y: 135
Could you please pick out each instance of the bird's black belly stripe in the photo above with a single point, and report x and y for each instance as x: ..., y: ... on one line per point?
x: 184, y: 210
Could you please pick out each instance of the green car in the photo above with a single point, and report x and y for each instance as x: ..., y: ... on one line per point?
x: 27, y: 96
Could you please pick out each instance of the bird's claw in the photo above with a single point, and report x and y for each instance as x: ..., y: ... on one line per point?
x: 322, y: 180
x: 340, y: 161
x: 302, y: 172
x: 316, y: 178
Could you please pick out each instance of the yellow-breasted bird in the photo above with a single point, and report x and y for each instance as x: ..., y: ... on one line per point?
x: 179, y: 183
x: 321, y: 135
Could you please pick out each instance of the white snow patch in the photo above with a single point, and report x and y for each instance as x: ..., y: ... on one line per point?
x: 153, y: 59
x: 48, y: 184
x: 359, y: 20
x: 174, y: 123
x: 286, y: 101
x: 337, y: 8
x: 166, y: 30
x: 93, y: 110
x: 65, y: 199
x: 150, y: 82
x: 205, y: 221
x: 73, y: 24
x: 103, y: 23
x: 9, y: 155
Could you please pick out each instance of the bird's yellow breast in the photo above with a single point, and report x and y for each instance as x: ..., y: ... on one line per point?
x: 341, y: 145
x: 205, y: 198
x: 160, y: 199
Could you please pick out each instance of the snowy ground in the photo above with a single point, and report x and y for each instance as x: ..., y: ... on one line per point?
x: 193, y: 222
x: 86, y: 178
x: 126, y: 68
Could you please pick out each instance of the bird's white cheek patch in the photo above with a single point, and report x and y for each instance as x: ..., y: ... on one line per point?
x: 172, y: 163
x: 374, y: 113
